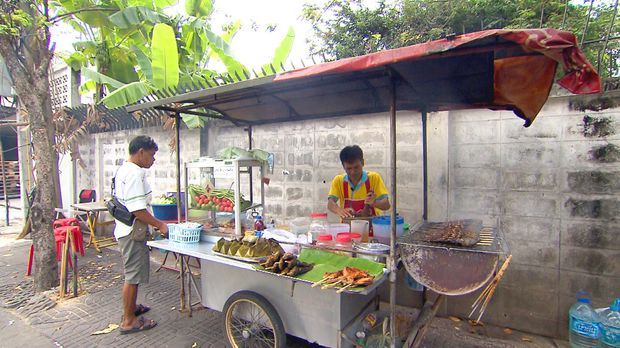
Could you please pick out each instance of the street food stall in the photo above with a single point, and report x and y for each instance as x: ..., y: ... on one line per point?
x: 497, y: 69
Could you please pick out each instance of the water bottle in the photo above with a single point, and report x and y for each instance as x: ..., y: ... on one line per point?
x: 610, y: 326
x: 584, y: 330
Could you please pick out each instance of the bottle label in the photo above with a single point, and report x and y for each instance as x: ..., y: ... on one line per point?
x: 610, y: 336
x: 584, y: 328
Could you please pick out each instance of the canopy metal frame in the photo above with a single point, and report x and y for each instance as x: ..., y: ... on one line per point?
x: 455, y: 78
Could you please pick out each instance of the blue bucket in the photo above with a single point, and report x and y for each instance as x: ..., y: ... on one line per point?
x: 165, y: 212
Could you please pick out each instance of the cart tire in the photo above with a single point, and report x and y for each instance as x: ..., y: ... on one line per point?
x: 244, y: 333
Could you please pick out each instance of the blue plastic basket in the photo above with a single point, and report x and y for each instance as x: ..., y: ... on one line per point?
x: 180, y: 234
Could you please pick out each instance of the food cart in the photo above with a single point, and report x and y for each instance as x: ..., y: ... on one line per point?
x: 496, y: 69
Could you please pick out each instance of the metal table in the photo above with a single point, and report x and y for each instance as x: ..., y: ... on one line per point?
x: 92, y: 210
x: 321, y: 316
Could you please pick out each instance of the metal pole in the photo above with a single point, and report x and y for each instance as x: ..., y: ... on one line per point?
x: 4, y: 187
x: 178, y: 140
x: 392, y: 263
x: 250, y: 168
x: 424, y: 166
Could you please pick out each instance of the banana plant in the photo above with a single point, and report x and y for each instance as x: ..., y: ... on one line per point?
x: 136, y: 49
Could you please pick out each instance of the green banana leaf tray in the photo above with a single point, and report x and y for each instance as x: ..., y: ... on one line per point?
x: 325, y: 261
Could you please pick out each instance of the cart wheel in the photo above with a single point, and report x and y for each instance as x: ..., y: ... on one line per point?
x: 252, y: 322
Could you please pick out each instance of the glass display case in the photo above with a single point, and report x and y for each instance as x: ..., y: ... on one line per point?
x: 221, y: 192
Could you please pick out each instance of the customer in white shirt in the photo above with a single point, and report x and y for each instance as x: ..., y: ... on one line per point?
x: 132, y: 190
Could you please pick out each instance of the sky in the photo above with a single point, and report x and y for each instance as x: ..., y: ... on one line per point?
x: 251, y: 47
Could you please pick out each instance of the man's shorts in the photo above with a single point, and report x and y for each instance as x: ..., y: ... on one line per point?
x: 136, y: 260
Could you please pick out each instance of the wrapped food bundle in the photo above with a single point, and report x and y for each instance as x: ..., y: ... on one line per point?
x: 249, y: 246
x: 286, y: 264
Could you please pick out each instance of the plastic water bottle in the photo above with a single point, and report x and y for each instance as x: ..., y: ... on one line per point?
x: 610, y: 326
x: 584, y: 330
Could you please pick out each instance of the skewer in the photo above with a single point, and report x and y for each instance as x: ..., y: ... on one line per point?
x: 345, y: 287
x: 487, y: 293
x: 320, y: 282
x: 330, y: 285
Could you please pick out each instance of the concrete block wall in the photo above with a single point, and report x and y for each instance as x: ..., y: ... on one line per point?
x: 308, y: 152
x: 553, y: 190
x: 103, y: 153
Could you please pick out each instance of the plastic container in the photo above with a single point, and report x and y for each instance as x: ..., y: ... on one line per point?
x: 583, y: 324
x: 165, y: 212
x: 343, y: 240
x: 610, y: 326
x: 375, y: 248
x: 299, y: 226
x: 362, y: 227
x: 325, y: 240
x: 318, y: 226
x: 334, y: 229
x: 355, y: 237
x: 381, y: 227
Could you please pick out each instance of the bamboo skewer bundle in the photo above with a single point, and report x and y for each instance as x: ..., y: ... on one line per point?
x: 485, y: 296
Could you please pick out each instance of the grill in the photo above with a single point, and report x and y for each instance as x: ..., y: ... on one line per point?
x: 451, y: 269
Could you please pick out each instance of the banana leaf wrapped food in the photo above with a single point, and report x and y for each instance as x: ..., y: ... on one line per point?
x: 218, y: 245
x: 225, y: 247
x: 234, y: 246
x: 243, y: 250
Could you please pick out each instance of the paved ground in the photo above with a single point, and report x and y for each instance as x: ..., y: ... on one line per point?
x: 46, y: 321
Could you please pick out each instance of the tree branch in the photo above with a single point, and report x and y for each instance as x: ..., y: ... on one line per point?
x: 55, y: 19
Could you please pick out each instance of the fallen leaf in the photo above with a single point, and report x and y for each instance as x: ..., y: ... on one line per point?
x: 526, y: 339
x: 118, y: 276
x: 194, y: 345
x: 110, y: 328
x: 455, y: 319
x: 508, y: 331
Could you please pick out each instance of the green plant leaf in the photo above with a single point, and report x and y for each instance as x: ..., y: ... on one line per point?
x: 217, y: 41
x: 282, y: 52
x: 164, y: 3
x: 135, y: 16
x: 127, y: 94
x: 164, y: 57
x: 198, y: 8
x: 144, y: 62
x: 88, y: 87
x: 193, y: 121
x: 100, y: 78
x: 121, y: 66
x: 76, y: 61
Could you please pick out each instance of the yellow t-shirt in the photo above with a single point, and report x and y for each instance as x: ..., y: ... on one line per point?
x: 358, y: 192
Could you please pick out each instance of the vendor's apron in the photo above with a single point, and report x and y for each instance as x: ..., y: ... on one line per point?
x: 357, y: 205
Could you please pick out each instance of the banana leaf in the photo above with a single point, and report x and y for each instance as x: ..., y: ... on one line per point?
x: 164, y: 57
x: 325, y: 261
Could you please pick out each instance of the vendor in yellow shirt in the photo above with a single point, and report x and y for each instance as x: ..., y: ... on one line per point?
x: 358, y: 192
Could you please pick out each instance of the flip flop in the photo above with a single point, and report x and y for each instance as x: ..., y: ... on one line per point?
x: 144, y: 324
x: 141, y: 309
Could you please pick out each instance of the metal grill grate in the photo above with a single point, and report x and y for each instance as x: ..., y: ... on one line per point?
x: 491, y: 241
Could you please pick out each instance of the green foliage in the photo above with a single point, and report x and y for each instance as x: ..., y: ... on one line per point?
x: 126, y: 94
x: 281, y: 52
x: 165, y: 57
x: 136, y: 16
x: 198, y: 8
x: 346, y: 28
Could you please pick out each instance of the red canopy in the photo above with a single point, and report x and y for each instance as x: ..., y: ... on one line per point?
x: 521, y: 80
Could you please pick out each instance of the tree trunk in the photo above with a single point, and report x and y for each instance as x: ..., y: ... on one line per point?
x: 37, y: 103
x: 28, y: 57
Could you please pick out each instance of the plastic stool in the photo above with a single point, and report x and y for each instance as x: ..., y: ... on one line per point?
x: 60, y: 236
x: 66, y: 222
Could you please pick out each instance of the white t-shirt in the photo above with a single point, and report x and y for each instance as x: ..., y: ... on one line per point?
x: 133, y: 191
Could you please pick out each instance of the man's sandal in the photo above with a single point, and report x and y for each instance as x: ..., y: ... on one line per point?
x: 143, y: 325
x: 141, y: 309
